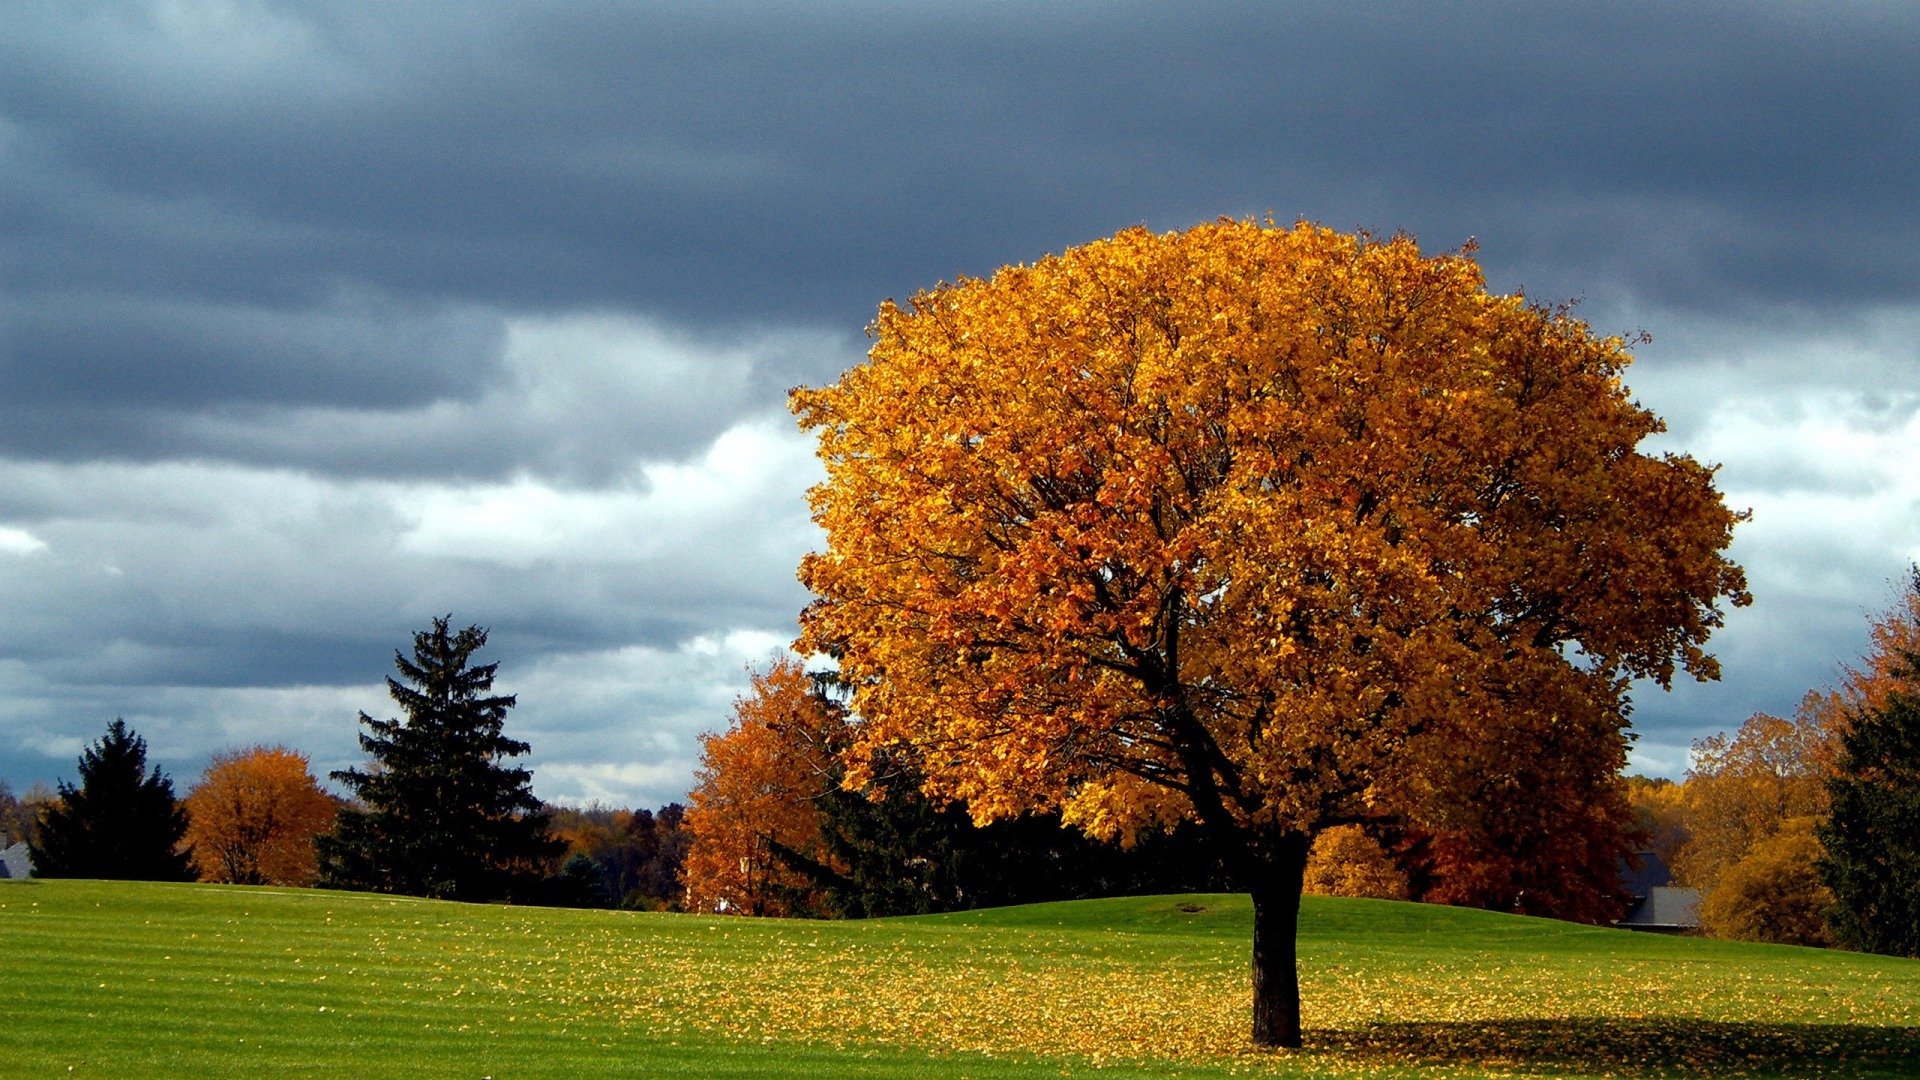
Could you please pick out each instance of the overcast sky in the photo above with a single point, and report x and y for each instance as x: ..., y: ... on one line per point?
x: 320, y: 320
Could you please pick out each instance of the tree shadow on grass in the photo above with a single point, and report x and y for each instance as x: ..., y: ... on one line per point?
x: 1639, y: 1048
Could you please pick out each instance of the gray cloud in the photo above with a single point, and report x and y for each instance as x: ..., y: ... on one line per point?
x: 118, y: 350
x: 198, y: 575
x: 228, y: 211
x: 800, y: 162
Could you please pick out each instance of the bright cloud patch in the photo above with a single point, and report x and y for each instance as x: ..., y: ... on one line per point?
x: 622, y: 726
x: 19, y: 542
x: 757, y: 465
x: 1818, y: 433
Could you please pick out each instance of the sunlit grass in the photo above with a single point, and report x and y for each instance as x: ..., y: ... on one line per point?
x: 127, y: 979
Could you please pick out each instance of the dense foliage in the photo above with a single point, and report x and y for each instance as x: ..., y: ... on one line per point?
x: 20, y: 814
x: 754, y: 796
x: 1742, y: 789
x: 776, y: 829
x: 254, y: 816
x: 1345, y: 861
x: 1275, y: 529
x: 1872, y: 837
x: 890, y: 850
x: 622, y: 858
x: 1661, y: 817
x: 121, y: 821
x: 438, y: 812
x: 1773, y: 892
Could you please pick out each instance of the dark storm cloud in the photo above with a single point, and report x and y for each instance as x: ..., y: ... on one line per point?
x: 725, y: 166
x: 109, y: 350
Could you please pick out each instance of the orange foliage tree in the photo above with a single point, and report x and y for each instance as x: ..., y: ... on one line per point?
x: 1541, y: 834
x: 1273, y: 528
x: 252, y: 819
x: 755, y: 793
x: 1743, y: 789
x: 1772, y: 892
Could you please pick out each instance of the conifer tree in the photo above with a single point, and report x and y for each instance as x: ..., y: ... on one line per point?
x: 440, y: 812
x: 122, y: 822
x: 1872, y: 837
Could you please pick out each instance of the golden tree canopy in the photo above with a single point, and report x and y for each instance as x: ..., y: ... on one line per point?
x: 1283, y: 521
x: 1345, y: 861
x: 1743, y: 789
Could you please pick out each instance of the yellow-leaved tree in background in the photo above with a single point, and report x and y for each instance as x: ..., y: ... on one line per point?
x: 253, y: 817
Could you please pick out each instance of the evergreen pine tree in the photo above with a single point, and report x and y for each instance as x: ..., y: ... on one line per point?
x: 439, y: 812
x: 901, y: 854
x: 894, y: 855
x: 1872, y: 837
x: 122, y: 822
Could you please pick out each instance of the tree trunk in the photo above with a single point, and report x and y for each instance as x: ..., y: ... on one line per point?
x: 1276, y: 922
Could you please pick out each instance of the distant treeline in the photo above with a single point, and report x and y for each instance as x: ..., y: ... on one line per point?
x: 1792, y: 828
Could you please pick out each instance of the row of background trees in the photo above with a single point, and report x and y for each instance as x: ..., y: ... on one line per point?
x: 439, y: 811
x: 1767, y: 822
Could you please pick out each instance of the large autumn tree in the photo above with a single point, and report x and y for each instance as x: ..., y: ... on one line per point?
x: 440, y: 811
x: 254, y: 816
x: 1278, y: 529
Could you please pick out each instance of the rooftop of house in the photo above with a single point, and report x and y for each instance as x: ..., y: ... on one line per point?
x: 15, y: 863
x: 1655, y: 903
x: 1642, y: 872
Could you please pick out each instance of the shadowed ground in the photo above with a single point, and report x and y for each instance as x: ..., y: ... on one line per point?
x: 1680, y: 1047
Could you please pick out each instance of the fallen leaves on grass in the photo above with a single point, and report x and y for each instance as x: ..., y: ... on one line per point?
x: 1042, y: 995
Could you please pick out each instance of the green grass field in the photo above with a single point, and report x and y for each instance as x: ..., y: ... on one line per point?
x: 141, y: 979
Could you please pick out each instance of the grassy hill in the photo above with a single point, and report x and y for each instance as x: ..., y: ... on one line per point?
x: 132, y: 979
